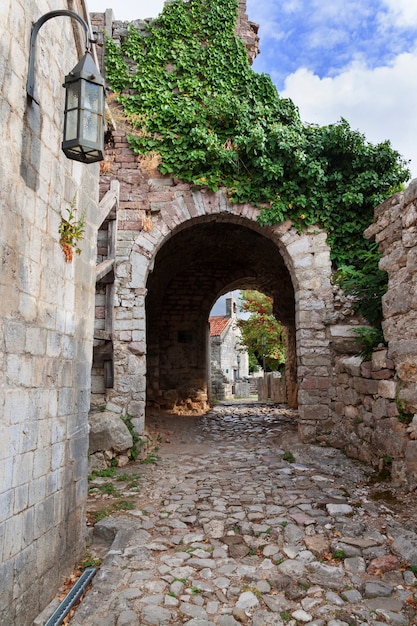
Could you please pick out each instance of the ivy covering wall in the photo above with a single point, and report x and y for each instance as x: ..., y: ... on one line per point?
x: 189, y: 93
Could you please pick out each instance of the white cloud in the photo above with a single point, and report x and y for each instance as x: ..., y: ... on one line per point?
x: 402, y: 12
x: 380, y: 103
x: 127, y: 9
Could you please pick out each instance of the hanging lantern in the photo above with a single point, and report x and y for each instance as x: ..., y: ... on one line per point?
x: 84, y: 112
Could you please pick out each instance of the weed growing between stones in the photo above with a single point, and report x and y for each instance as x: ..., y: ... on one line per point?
x: 404, y: 415
x: 339, y: 554
x: 119, y: 505
x: 89, y: 561
x: 151, y: 458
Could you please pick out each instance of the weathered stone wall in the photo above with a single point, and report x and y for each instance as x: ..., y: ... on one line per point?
x: 46, y: 318
x: 373, y: 401
x: 272, y: 387
x: 395, y: 230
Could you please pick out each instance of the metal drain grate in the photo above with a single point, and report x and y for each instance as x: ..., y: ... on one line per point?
x: 72, y: 597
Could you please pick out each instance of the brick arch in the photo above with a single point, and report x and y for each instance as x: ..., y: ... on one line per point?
x: 181, y: 214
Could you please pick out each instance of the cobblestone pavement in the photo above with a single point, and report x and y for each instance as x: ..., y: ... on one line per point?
x: 230, y: 529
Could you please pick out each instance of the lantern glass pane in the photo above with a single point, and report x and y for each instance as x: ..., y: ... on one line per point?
x: 90, y: 127
x: 71, y: 125
x: 92, y: 95
x: 72, y: 95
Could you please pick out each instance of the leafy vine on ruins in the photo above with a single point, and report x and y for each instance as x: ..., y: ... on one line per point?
x: 187, y: 88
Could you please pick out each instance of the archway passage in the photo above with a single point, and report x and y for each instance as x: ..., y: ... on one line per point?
x: 197, y: 264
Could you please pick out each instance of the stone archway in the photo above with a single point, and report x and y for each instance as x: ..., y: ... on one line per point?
x: 199, y: 246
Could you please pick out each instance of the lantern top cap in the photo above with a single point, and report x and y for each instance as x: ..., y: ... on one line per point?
x: 87, y: 69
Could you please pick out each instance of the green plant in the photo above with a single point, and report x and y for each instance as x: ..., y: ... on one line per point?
x: 134, y: 451
x: 151, y: 458
x: 404, y: 415
x: 339, y: 554
x: 288, y: 456
x: 124, y: 505
x: 71, y: 232
x: 413, y: 568
x: 286, y: 617
x: 96, y: 516
x: 109, y: 472
x: 191, y: 99
x: 367, y: 339
x: 107, y: 488
x: 89, y: 561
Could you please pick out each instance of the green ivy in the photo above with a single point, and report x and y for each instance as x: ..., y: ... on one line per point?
x: 187, y: 88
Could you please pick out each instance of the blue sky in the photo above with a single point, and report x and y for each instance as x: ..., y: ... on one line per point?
x: 355, y: 59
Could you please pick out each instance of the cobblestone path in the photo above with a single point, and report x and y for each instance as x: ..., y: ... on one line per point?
x: 240, y: 523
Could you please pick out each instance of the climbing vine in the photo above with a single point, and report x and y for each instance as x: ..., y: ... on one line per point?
x: 190, y: 95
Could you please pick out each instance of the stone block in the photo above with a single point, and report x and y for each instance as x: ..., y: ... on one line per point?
x: 37, y: 490
x: 12, y: 537
x: 349, y: 365
x: 410, y: 193
x: 351, y: 412
x: 108, y: 432
x: 379, y: 359
x: 366, y: 369
x: 387, y: 389
x: 382, y: 374
x: 314, y: 412
x: 411, y: 456
x: 389, y: 438
x: 407, y: 370
x: 379, y: 409
x: 366, y: 386
x: 349, y: 396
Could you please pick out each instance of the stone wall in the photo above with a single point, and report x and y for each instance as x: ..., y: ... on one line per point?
x: 272, y: 387
x: 46, y: 318
x: 162, y: 306
x: 178, y: 249
x: 374, y: 401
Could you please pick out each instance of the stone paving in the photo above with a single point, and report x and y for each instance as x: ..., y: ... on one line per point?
x: 240, y: 523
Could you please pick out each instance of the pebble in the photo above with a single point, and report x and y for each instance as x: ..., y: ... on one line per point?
x: 227, y: 532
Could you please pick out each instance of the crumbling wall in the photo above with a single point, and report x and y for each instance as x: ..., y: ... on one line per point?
x: 374, y: 401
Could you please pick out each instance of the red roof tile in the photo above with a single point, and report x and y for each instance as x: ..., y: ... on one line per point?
x: 217, y: 325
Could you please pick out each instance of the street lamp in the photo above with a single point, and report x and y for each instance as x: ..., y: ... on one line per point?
x: 84, y: 99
